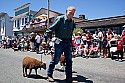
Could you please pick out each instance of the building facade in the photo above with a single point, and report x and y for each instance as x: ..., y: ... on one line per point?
x: 38, y: 27
x: 6, y: 25
x: 22, y: 16
x: 116, y: 23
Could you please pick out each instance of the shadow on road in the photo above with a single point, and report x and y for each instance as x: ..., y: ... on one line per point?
x: 37, y: 77
x: 79, y: 78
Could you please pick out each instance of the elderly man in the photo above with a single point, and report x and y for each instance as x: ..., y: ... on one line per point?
x: 63, y: 27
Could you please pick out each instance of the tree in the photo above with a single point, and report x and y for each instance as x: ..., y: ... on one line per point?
x: 77, y: 30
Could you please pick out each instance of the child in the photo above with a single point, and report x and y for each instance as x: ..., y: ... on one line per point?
x: 80, y: 49
x: 119, y: 43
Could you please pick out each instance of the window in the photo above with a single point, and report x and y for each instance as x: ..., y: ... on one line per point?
x: 18, y: 24
x: 22, y: 21
x: 25, y: 20
x: 15, y: 23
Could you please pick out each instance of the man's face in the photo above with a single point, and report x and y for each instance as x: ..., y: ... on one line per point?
x: 70, y: 13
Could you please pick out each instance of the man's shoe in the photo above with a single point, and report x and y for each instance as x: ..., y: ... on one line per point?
x: 50, y: 79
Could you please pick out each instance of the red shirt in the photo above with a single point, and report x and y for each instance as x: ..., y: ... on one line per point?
x: 119, y: 44
x: 88, y: 37
x: 94, y: 48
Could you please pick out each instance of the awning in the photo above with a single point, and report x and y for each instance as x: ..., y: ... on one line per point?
x: 42, y: 16
x: 15, y: 29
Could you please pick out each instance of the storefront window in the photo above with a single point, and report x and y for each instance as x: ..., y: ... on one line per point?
x: 15, y: 23
x: 25, y: 20
x: 18, y: 24
x: 22, y: 21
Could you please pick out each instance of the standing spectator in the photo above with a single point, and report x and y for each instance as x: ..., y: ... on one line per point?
x: 109, y: 37
x: 100, y: 36
x: 26, y: 43
x: 22, y: 43
x: 119, y: 43
x: 32, y: 42
x: 38, y: 40
x: 63, y: 27
x: 95, y: 36
x: 104, y: 46
x: 7, y: 41
x: 84, y: 38
x: 4, y: 43
x: 123, y: 37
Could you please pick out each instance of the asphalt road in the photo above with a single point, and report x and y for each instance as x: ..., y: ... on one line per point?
x: 92, y: 70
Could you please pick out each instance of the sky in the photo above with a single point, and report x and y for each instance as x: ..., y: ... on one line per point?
x: 92, y: 9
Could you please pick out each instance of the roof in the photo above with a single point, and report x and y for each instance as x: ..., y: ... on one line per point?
x: 111, y: 21
x: 34, y: 29
x: 23, y: 6
x: 2, y: 14
x: 53, y: 14
x: 23, y: 15
x: 49, y: 10
x: 19, y: 16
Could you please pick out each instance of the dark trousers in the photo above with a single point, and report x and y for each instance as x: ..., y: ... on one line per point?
x: 37, y: 47
x: 120, y: 52
x: 63, y: 46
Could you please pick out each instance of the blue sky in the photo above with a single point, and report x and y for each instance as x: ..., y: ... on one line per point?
x: 93, y: 9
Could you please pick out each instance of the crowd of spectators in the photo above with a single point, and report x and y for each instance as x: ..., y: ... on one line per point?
x: 83, y: 44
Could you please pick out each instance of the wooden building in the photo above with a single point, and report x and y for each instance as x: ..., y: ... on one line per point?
x: 115, y: 23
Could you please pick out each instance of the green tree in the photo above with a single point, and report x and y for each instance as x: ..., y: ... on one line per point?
x: 77, y: 30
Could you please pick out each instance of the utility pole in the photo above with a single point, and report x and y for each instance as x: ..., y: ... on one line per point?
x: 48, y: 14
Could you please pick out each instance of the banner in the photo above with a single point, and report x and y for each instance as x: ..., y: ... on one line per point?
x: 3, y: 31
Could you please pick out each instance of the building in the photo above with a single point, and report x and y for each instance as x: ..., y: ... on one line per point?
x: 23, y: 14
x: 116, y: 23
x: 42, y: 13
x: 6, y: 25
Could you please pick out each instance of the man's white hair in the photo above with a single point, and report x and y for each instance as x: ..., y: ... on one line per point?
x: 71, y: 8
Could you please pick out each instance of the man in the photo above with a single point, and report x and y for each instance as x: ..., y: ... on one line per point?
x: 100, y: 36
x: 63, y: 27
x: 38, y: 39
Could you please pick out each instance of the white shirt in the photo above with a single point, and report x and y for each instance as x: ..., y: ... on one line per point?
x: 37, y: 39
x: 100, y: 34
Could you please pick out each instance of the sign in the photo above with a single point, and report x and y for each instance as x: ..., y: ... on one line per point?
x: 3, y: 31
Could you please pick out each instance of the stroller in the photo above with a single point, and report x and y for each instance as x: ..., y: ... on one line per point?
x: 113, y: 48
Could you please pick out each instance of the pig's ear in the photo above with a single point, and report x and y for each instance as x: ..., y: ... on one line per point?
x: 43, y: 63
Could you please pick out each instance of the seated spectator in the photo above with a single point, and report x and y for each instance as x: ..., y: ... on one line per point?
x: 80, y: 49
x: 14, y: 45
x: 86, y: 51
x: 93, y: 49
